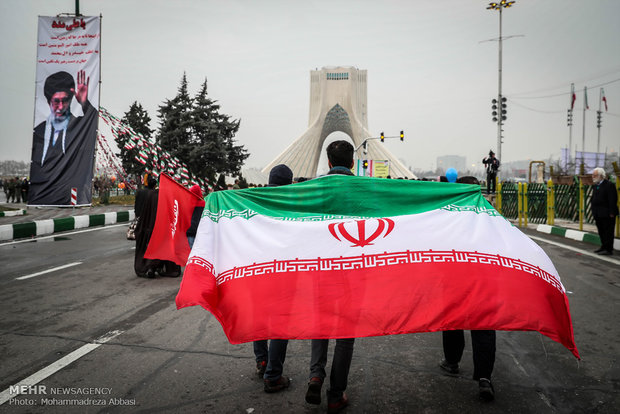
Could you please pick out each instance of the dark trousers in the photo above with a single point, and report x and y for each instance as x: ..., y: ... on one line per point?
x: 491, y: 182
x: 605, y: 227
x: 343, y: 353
x: 483, y: 347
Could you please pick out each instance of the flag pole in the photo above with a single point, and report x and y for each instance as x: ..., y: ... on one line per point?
x: 600, y: 108
x: 583, y: 135
x: 570, y: 123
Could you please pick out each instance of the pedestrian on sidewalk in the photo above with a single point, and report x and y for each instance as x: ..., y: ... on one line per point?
x: 492, y: 165
x: 604, y: 204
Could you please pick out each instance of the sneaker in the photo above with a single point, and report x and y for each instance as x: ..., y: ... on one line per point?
x: 261, y: 366
x: 605, y: 253
x: 598, y: 250
x: 336, y: 407
x: 448, y: 367
x: 485, y: 389
x: 277, y: 385
x: 313, y: 395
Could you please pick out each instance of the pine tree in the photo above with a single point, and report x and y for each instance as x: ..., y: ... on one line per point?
x: 138, y: 119
x: 213, y: 149
x: 175, y: 123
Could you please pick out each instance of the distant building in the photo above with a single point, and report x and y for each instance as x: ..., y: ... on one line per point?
x: 459, y: 163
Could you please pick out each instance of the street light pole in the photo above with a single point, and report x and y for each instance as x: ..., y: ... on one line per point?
x: 501, y: 116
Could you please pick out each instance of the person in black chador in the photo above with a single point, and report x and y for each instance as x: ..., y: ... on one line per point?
x: 604, y: 204
x: 63, y: 145
x: 492, y: 165
x: 147, y: 267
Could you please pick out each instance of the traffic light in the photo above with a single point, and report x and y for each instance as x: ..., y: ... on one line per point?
x: 382, y: 137
x: 365, y: 164
x: 599, y: 119
x: 402, y: 136
x: 569, y: 119
x: 494, y: 109
x: 504, y: 111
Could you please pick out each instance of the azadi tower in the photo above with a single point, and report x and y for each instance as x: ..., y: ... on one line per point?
x: 338, y: 102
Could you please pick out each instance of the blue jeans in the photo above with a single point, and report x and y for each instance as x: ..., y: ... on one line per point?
x: 343, y: 354
x: 274, y: 352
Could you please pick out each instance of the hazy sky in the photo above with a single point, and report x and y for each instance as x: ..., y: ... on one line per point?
x: 430, y: 71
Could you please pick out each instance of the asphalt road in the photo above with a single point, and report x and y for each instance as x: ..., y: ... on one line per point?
x: 131, y: 350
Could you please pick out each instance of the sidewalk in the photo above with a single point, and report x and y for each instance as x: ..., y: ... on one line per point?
x: 27, y: 222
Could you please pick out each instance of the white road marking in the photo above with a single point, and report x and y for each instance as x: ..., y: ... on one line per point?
x: 39, y: 376
x: 574, y: 249
x: 48, y: 271
x: 63, y: 234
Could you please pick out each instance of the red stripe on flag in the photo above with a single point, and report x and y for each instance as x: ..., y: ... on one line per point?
x: 379, y: 300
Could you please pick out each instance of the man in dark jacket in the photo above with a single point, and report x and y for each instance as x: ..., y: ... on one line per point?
x: 270, y: 357
x: 340, y: 161
x: 492, y: 165
x: 604, y: 204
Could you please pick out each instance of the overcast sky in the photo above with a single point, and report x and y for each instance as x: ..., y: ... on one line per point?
x: 431, y: 71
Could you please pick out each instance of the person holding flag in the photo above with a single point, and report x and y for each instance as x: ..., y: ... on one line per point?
x: 340, y: 161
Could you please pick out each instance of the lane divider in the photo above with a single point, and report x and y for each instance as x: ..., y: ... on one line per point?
x: 50, y: 226
x: 581, y: 236
x: 48, y: 271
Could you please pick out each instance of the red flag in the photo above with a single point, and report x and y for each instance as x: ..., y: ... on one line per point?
x: 604, y: 98
x: 174, y: 214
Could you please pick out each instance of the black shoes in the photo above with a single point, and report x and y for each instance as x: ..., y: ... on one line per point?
x: 313, y: 395
x: 448, y: 367
x: 485, y: 388
x: 605, y: 253
x: 277, y: 385
x: 600, y: 249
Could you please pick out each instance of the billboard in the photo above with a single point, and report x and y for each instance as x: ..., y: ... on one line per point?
x: 372, y: 168
x: 66, y: 110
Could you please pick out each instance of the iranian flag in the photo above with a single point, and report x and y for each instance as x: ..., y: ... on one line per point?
x: 342, y: 257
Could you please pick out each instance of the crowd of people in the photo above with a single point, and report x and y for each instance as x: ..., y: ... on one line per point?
x: 15, y: 189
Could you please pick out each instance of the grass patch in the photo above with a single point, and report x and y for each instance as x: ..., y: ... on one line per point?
x: 119, y: 200
x: 3, y: 208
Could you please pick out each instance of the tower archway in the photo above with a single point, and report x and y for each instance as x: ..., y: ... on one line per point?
x: 338, y: 103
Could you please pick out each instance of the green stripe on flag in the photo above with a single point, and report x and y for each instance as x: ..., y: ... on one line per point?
x: 337, y: 196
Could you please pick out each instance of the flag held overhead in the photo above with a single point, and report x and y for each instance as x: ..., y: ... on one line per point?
x: 342, y: 257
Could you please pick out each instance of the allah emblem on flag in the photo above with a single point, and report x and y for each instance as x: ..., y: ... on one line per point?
x: 361, y: 241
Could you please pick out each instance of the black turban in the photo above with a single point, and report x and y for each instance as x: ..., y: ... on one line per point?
x: 58, y: 82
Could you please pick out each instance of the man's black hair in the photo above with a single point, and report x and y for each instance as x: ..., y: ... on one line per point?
x: 58, y: 82
x: 340, y: 154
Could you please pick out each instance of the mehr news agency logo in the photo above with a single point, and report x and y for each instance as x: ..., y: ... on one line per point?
x: 66, y: 396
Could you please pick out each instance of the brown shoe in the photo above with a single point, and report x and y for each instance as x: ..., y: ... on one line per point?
x: 313, y: 395
x: 277, y: 385
x: 341, y: 404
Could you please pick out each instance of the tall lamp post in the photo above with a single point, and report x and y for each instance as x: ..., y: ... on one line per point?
x: 501, y: 111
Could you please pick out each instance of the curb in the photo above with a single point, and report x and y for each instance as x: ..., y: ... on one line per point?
x: 12, y: 213
x: 574, y: 235
x: 50, y: 226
